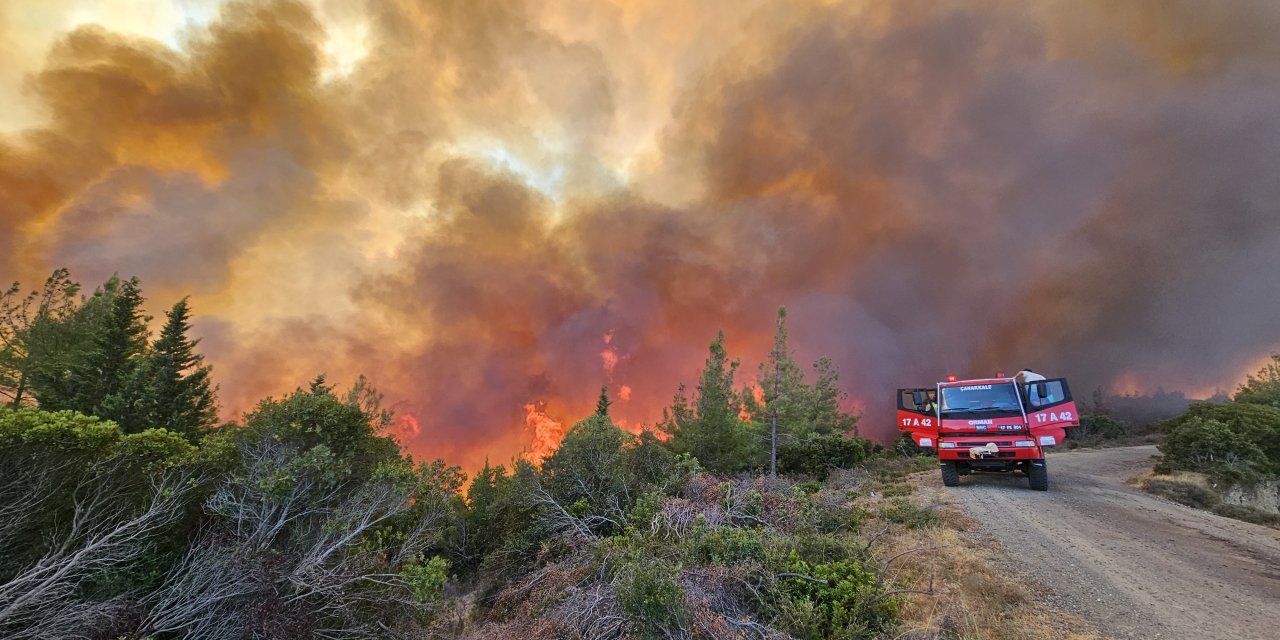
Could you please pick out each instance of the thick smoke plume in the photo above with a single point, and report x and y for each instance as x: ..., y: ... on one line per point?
x: 492, y: 208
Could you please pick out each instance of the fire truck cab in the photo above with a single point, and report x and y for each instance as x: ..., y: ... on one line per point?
x: 989, y: 424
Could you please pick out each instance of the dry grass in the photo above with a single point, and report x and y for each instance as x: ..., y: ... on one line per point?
x: 976, y: 596
x: 1187, y: 477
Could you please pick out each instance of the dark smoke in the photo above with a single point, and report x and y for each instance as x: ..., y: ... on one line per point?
x: 495, y: 187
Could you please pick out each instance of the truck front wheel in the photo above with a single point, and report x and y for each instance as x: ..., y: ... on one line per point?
x: 950, y: 474
x: 1039, y: 475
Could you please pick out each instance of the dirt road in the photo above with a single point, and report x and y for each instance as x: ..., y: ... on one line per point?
x: 1136, y: 565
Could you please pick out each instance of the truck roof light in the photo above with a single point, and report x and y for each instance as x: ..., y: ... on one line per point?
x: 999, y: 374
x: 951, y: 378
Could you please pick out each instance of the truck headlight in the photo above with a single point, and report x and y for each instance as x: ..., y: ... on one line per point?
x: 1024, y: 443
x: 946, y: 445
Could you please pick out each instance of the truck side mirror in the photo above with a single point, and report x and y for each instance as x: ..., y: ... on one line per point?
x: 919, y: 397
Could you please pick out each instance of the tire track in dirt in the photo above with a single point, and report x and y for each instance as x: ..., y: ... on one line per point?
x: 1136, y: 565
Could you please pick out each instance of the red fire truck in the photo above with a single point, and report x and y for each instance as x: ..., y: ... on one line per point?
x: 989, y: 424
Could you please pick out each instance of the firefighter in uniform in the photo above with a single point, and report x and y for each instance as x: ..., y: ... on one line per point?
x: 930, y: 401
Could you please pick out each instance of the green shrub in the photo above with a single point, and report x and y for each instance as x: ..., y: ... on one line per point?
x: 648, y: 590
x: 817, y: 455
x: 895, y: 489
x: 857, y: 516
x: 426, y: 578
x: 158, y: 448
x: 904, y: 445
x: 814, y: 547
x: 57, y: 430
x: 840, y: 599
x: 1100, y: 427
x: 646, y: 508
x: 1258, y: 425
x: 905, y: 512
x: 1210, y: 446
x: 1263, y: 387
x: 728, y: 546
x: 830, y: 512
x: 889, y: 470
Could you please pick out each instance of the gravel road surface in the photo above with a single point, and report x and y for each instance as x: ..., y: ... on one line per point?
x: 1136, y: 565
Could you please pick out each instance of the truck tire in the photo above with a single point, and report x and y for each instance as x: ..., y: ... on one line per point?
x: 1039, y: 475
x: 950, y: 475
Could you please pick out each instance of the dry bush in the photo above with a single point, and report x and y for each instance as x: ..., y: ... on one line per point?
x: 117, y: 516
x: 702, y: 488
x: 720, y: 599
x: 539, y: 590
x: 677, y: 517
x: 565, y: 599
x: 849, y: 479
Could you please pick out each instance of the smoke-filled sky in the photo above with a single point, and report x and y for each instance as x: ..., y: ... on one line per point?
x: 491, y: 208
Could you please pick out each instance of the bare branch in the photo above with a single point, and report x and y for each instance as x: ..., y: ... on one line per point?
x: 801, y: 576
x: 107, y: 531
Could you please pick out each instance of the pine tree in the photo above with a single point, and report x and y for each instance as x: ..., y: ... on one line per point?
x: 715, y: 386
x: 602, y: 405
x: 175, y: 390
x: 103, y: 383
x: 677, y: 416
x: 711, y: 429
x: 784, y: 391
x: 318, y: 387
x: 825, y: 415
x: 482, y: 516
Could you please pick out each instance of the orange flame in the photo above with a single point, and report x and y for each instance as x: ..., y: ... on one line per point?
x: 758, y: 394
x: 547, y: 431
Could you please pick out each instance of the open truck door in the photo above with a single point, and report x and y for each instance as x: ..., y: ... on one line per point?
x: 1050, y: 410
x: 918, y: 415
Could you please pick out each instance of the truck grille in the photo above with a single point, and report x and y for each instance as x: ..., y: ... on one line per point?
x: 991, y: 456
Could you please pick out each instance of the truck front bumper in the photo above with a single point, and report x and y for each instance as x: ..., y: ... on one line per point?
x: 1008, y: 447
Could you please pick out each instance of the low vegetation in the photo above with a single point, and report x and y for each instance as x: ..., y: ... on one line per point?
x: 1215, y: 449
x: 1104, y: 430
x: 126, y: 512
x: 305, y: 522
x: 1234, y: 441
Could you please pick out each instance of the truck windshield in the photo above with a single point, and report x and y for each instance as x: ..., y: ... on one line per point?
x: 979, y: 398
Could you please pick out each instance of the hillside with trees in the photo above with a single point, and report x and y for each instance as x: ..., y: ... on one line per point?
x: 127, y: 512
